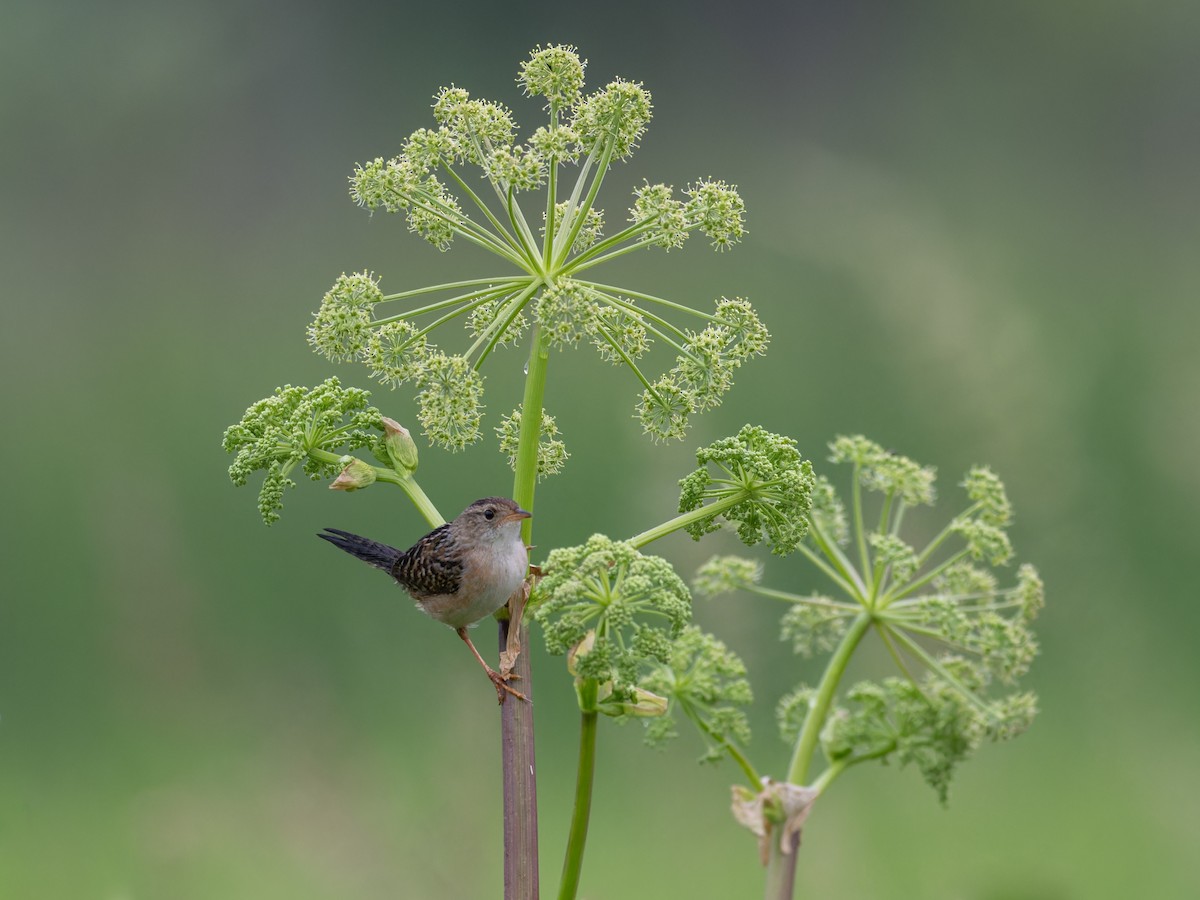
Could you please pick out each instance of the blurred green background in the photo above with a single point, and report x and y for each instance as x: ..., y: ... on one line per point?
x: 973, y: 233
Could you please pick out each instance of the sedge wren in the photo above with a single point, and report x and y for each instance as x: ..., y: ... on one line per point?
x: 460, y: 572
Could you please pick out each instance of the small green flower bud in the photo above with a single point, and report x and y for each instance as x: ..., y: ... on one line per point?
x: 583, y: 648
x: 645, y: 705
x: 401, y: 448
x: 357, y: 474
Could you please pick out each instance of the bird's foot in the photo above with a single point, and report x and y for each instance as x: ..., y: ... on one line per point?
x: 499, y: 679
x: 503, y: 689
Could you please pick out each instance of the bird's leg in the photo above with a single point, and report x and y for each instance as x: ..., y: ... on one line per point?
x: 500, y: 681
x: 512, y: 647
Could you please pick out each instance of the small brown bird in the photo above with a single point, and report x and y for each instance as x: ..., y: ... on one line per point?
x: 460, y: 572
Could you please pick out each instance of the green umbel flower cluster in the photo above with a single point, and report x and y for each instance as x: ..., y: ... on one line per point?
x: 705, y: 682
x: 547, y: 256
x: 617, y: 611
x: 551, y: 452
x: 761, y: 483
x: 309, y: 427
x: 959, y: 638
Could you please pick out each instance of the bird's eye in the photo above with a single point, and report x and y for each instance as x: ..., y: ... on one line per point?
x: 489, y: 514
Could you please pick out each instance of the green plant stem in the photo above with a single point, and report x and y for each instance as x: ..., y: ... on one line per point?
x: 493, y: 333
x: 424, y: 505
x: 806, y: 744
x: 649, y: 298
x: 830, y: 572
x: 585, y: 775
x: 930, y: 661
x: 530, y: 431
x: 900, y: 591
x: 682, y: 521
x: 834, y: 554
x: 516, y: 718
x: 592, y: 256
x: 390, y: 476
x: 557, y: 251
x: 519, y: 783
x: 581, y: 213
x: 452, y: 286
x: 465, y: 301
x: 731, y: 748
x: 823, y: 602
x: 469, y: 230
x: 643, y: 315
x: 521, y: 228
x: 466, y: 188
x: 822, y: 781
x: 860, y: 534
x: 551, y: 195
x: 781, y: 867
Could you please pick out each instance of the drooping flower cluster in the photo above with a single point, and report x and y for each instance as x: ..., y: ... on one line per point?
x: 705, y: 683
x: 959, y: 639
x: 298, y: 426
x: 547, y: 256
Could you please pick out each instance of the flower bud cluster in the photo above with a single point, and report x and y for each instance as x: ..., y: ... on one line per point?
x: 566, y: 313
x: 521, y: 168
x: 813, y: 625
x: 703, y: 370
x: 308, y: 427
x: 551, y: 452
x: 620, y: 335
x: 763, y: 485
x: 617, y: 114
x: 886, y: 472
x: 423, y: 182
x: 717, y: 210
x: 712, y: 207
x: 484, y: 319
x: 554, y: 72
x: 654, y: 205
x: 341, y: 326
x: 401, y: 184
x: 451, y: 400
x: 628, y: 606
x: 828, y: 511
x: 726, y: 574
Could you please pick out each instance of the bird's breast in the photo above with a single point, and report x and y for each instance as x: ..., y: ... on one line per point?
x: 490, y: 576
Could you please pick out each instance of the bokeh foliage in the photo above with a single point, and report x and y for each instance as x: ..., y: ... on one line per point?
x: 976, y: 228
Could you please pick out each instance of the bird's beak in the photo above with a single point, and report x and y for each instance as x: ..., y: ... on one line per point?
x: 518, y: 515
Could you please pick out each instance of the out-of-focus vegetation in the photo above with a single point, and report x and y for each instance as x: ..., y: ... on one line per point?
x: 973, y: 235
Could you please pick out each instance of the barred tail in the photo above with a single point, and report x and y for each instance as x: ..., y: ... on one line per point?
x: 381, y: 556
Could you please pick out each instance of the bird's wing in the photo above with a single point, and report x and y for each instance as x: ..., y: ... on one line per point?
x: 432, y: 566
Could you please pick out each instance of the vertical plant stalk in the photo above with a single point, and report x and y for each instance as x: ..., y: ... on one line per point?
x: 781, y: 867
x: 516, y: 717
x: 520, y: 785
x: 577, y: 839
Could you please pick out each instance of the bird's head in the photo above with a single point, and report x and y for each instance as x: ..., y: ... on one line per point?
x: 491, y: 519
